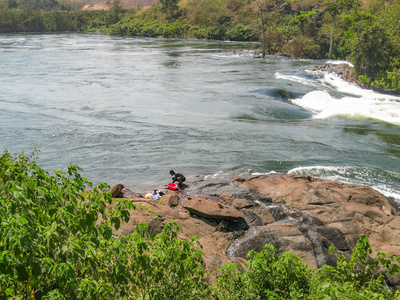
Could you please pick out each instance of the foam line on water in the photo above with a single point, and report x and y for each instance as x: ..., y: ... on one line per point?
x: 381, y: 180
x: 299, y: 79
x: 339, y: 62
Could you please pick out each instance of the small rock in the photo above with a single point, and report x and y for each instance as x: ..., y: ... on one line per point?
x: 116, y: 191
x: 172, y: 199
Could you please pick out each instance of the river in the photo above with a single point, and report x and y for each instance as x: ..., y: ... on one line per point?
x: 130, y: 109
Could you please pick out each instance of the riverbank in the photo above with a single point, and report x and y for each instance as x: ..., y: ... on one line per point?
x: 300, y: 214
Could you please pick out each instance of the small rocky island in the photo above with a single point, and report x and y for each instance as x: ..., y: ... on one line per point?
x: 300, y: 214
x: 344, y: 71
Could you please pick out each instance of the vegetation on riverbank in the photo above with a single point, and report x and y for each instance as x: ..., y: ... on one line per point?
x: 364, y: 32
x: 56, y: 242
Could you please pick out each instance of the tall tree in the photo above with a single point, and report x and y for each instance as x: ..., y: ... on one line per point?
x: 334, y: 8
x: 169, y: 7
x: 262, y: 8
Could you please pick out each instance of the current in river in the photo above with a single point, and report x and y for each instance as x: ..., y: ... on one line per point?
x: 127, y: 110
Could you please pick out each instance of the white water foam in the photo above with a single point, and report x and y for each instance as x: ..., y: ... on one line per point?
x: 382, y: 181
x: 355, y: 102
x: 302, y: 80
x: 339, y: 62
x: 228, y: 174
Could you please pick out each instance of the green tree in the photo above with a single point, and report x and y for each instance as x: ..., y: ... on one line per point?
x: 359, y: 277
x: 267, y: 276
x: 57, y: 242
x: 262, y: 7
x: 306, y: 18
x: 115, y: 10
x: 334, y: 8
x: 51, y: 243
x: 372, y: 52
x: 170, y: 7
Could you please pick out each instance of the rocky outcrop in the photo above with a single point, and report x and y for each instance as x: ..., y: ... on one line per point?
x: 295, y: 213
x: 344, y: 71
x: 340, y: 69
x: 320, y: 213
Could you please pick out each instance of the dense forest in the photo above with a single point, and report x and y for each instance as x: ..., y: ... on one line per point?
x: 57, y: 242
x: 364, y: 32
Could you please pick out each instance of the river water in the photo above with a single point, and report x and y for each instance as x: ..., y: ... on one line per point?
x: 130, y: 109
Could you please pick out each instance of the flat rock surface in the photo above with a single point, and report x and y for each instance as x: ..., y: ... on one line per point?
x: 210, y: 209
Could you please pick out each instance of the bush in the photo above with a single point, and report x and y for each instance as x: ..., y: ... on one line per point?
x: 174, y: 29
x: 241, y: 32
x: 359, y: 277
x: 303, y: 47
x: 50, y: 242
x: 56, y: 242
x: 267, y: 276
x: 372, y: 52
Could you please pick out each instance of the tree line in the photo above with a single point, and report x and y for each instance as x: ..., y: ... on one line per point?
x: 57, y: 242
x: 364, y: 32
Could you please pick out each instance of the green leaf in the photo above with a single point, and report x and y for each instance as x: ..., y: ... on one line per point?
x: 9, y: 291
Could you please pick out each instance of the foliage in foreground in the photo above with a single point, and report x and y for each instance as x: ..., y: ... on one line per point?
x: 57, y: 242
x: 268, y: 276
x: 359, y: 277
x: 272, y: 276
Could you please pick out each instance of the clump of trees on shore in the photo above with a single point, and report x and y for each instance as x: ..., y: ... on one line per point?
x: 57, y: 242
x: 364, y: 32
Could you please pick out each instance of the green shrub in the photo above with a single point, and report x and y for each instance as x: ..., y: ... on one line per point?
x: 241, y: 32
x: 359, y: 277
x: 302, y: 46
x: 268, y: 276
x: 56, y: 242
x: 175, y: 29
x: 50, y: 242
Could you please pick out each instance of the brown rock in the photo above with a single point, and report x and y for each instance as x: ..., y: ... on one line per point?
x: 351, y: 210
x: 116, y: 190
x: 211, y: 210
x: 171, y: 198
x: 235, y: 202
